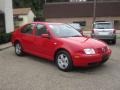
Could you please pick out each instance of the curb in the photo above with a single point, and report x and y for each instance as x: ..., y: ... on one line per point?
x: 5, y: 46
x: 1, y: 49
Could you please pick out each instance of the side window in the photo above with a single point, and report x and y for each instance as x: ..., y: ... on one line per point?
x: 41, y: 29
x: 28, y: 29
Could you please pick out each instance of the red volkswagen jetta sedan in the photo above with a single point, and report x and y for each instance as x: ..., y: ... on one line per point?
x: 60, y: 43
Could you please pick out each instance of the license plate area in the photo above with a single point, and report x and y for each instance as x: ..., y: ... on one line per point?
x: 103, y: 33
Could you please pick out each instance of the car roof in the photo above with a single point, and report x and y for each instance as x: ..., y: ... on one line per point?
x: 102, y: 22
x: 46, y: 23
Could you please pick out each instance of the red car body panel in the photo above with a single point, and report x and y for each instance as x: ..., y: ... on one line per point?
x: 47, y: 48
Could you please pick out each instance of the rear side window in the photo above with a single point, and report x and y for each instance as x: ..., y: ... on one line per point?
x: 41, y: 29
x: 28, y: 29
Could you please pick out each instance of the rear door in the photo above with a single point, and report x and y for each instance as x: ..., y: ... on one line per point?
x: 28, y: 37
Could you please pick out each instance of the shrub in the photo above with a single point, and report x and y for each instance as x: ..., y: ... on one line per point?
x: 5, y: 37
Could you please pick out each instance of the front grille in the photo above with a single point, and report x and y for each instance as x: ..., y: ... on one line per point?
x: 102, y: 50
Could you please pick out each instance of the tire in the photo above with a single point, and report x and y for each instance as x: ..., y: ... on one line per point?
x: 18, y: 49
x: 63, y: 61
x: 114, y: 41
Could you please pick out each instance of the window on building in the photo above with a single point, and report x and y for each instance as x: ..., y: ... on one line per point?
x: 2, y: 23
x: 77, y: 0
x: 82, y: 23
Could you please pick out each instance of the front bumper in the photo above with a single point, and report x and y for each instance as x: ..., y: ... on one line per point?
x: 91, y: 60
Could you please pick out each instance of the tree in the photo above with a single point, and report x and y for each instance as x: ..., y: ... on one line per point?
x: 57, y: 0
x: 36, y: 5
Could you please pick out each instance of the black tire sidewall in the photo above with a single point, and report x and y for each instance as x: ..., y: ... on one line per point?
x: 114, y: 41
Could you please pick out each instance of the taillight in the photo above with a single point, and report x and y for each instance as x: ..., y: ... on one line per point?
x: 92, y: 31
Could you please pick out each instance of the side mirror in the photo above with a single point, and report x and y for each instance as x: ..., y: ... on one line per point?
x: 45, y: 36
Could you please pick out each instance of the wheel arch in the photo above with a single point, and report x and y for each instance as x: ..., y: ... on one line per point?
x: 16, y: 41
x: 61, y: 49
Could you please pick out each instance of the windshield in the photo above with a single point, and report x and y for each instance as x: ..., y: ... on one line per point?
x: 103, y: 26
x: 64, y: 30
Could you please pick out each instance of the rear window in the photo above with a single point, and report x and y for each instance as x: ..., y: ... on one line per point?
x: 103, y: 25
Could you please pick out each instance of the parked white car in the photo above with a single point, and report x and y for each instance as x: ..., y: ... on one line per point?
x: 104, y: 31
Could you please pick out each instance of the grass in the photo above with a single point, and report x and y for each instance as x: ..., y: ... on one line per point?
x: 118, y: 36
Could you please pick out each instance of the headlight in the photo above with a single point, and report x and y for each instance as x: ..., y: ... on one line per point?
x: 89, y: 51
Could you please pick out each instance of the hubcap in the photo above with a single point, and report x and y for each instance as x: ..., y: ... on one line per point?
x: 18, y: 49
x: 62, y: 61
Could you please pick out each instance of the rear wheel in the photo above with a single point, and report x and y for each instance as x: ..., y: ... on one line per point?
x: 63, y: 61
x: 114, y: 41
x: 18, y: 49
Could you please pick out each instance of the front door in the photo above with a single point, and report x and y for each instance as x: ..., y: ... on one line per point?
x: 44, y: 46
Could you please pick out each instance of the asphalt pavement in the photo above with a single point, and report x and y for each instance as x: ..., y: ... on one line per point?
x: 33, y: 73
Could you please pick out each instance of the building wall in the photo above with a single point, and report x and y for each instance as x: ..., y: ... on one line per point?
x: 26, y: 19
x: 2, y: 4
x: 77, y: 0
x: 88, y: 20
x: 91, y: 0
x: 6, y: 7
x: 103, y: 0
x: 9, y: 16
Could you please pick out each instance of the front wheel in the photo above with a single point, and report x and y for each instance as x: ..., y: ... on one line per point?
x: 63, y: 61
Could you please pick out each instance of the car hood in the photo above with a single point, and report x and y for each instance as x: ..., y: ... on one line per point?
x: 84, y: 42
